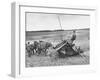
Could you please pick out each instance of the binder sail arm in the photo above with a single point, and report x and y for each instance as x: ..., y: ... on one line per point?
x: 59, y: 21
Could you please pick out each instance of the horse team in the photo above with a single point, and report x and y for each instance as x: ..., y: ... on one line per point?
x: 37, y: 48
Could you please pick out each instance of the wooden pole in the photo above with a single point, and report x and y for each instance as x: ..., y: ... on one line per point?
x: 59, y: 22
x: 60, y: 26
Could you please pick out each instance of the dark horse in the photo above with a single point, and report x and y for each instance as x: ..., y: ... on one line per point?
x: 42, y: 47
x: 32, y: 48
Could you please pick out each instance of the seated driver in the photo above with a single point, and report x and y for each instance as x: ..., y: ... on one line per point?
x: 73, y: 38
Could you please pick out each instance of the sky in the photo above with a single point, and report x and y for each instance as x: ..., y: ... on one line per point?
x: 42, y: 21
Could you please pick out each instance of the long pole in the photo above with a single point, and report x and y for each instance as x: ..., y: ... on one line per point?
x: 59, y: 22
x: 60, y: 26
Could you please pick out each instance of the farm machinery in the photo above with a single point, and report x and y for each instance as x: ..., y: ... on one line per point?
x: 65, y: 48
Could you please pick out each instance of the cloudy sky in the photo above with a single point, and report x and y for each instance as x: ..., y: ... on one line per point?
x: 40, y: 21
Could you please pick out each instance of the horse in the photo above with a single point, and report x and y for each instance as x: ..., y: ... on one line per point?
x: 29, y: 49
x: 42, y: 47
